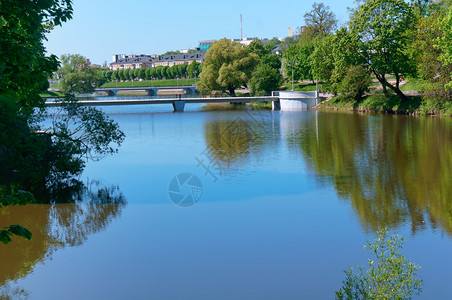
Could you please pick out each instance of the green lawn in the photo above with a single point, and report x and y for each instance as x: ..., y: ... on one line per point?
x: 413, y: 85
x: 49, y: 94
x: 150, y: 83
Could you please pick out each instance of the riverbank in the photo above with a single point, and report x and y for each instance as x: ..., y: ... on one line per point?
x: 376, y: 104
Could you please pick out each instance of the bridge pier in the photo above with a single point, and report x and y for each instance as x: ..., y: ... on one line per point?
x: 150, y: 92
x: 112, y: 92
x: 276, y: 105
x: 178, y: 105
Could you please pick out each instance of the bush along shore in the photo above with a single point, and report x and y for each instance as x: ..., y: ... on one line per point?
x: 419, y: 102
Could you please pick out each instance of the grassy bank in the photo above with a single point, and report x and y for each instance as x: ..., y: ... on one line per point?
x: 376, y: 103
x: 49, y: 94
x: 150, y: 83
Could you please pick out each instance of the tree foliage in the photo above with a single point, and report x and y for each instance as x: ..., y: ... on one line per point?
x: 389, y: 276
x: 24, y: 70
x: 264, y: 80
x: 320, y: 20
x: 76, y: 76
x: 380, y: 31
x: 227, y: 66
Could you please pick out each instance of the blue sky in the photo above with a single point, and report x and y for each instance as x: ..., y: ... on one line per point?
x: 100, y: 29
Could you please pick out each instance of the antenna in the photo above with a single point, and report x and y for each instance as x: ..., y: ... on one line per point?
x: 241, y: 36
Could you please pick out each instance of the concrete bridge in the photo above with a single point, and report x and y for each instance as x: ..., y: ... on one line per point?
x: 150, y: 91
x: 280, y: 101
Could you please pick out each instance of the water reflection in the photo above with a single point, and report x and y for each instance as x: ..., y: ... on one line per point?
x: 393, y: 169
x: 92, y: 209
x: 232, y: 139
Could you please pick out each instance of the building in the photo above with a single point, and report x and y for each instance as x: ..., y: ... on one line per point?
x: 152, y: 61
x: 205, y: 45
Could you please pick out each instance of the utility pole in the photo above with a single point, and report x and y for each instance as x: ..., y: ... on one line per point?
x: 241, y: 35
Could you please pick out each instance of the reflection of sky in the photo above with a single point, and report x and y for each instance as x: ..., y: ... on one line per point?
x: 160, y: 146
x: 266, y: 229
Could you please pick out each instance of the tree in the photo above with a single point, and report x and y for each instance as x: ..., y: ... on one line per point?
x: 264, y: 80
x: 300, y: 57
x: 24, y: 70
x: 355, y: 83
x: 380, y: 30
x: 320, y: 20
x: 445, y: 43
x: 115, y: 75
x: 147, y: 73
x: 131, y: 74
x: 271, y: 44
x: 257, y: 47
x: 194, y: 69
x: 429, y: 51
x: 271, y: 60
x: 76, y: 76
x: 227, y: 66
x: 182, y: 70
x: 136, y: 73
x: 166, y: 73
x: 390, y: 275
x: 333, y: 55
x: 121, y: 74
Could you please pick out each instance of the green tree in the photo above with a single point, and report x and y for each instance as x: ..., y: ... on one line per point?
x: 136, y: 73
x: 264, y: 80
x: 271, y: 60
x: 76, y: 76
x: 121, y: 74
x: 390, y: 274
x: 431, y: 68
x: 182, y: 70
x: 193, y: 69
x: 115, y: 75
x: 257, y: 47
x: 166, y: 73
x: 271, y: 44
x: 380, y: 30
x: 24, y: 70
x: 355, y: 83
x: 152, y: 73
x: 320, y: 20
x: 300, y: 56
x: 131, y: 74
x: 445, y: 42
x: 159, y: 72
x: 227, y: 66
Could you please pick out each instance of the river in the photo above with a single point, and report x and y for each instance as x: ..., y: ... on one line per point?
x: 275, y: 205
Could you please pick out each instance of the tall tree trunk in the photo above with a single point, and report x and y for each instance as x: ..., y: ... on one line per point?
x: 395, y: 89
x: 231, y: 91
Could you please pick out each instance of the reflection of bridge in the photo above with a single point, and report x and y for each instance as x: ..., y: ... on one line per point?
x: 280, y: 100
x: 150, y: 90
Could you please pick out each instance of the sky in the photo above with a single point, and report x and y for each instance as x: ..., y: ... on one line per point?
x: 100, y: 29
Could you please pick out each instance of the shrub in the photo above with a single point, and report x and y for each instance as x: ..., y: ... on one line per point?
x: 390, y: 275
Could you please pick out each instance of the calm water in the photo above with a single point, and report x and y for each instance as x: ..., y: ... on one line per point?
x: 287, y: 201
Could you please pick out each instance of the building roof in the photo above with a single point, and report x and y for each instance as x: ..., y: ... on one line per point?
x: 133, y: 60
x: 180, y: 57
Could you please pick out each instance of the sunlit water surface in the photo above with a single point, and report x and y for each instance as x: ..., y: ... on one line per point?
x: 287, y: 201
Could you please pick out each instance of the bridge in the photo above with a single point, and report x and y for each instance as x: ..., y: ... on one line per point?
x: 150, y: 90
x: 280, y: 101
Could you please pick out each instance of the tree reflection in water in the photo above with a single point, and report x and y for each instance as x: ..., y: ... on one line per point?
x: 79, y: 211
x: 232, y: 139
x: 394, y: 170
